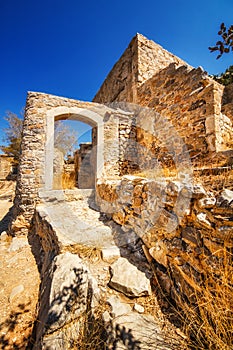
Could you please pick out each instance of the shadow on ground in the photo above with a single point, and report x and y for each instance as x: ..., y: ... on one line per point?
x: 6, y: 220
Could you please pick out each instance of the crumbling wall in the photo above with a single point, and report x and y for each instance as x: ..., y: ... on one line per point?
x: 86, y: 172
x: 140, y: 61
x: 187, y: 98
x: 148, y: 75
x: 36, y: 162
x: 226, y: 122
x: 120, y: 84
x: 185, y: 228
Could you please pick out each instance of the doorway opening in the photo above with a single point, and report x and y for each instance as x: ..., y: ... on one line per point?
x: 74, y: 160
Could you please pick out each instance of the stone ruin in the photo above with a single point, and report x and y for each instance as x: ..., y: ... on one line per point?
x: 154, y: 112
x: 199, y: 109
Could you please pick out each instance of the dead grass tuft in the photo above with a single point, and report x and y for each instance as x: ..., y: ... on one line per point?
x: 68, y: 180
x: 92, y: 254
x: 207, y: 320
x: 93, y: 333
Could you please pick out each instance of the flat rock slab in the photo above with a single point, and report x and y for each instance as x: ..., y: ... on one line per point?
x: 126, y: 278
x: 75, y: 222
x: 135, y: 331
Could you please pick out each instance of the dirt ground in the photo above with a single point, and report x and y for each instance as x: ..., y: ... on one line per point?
x: 19, y: 284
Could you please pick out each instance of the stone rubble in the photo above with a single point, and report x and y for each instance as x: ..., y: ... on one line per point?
x: 73, y: 283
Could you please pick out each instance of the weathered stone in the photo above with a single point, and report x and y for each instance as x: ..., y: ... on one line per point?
x: 167, y: 221
x: 19, y: 224
x: 206, y: 202
x: 139, y: 331
x: 159, y: 252
x: 225, y: 199
x: 110, y: 254
x: 18, y: 243
x: 202, y: 219
x: 15, y: 291
x: 198, y: 191
x: 126, y: 278
x: 118, y: 307
x: 191, y: 236
x: 64, y: 299
x: 119, y: 217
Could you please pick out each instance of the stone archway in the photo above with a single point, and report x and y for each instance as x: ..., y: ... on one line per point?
x: 37, y: 148
x: 72, y: 113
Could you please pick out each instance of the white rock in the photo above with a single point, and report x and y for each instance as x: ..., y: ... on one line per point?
x: 198, y: 191
x: 202, y: 219
x: 3, y: 236
x: 118, y: 308
x: 106, y: 317
x: 207, y: 202
x: 138, y: 308
x: 126, y: 278
x: 109, y: 254
x: 225, y: 199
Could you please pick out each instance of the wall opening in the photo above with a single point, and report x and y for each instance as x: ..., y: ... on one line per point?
x: 74, y: 162
x: 83, y: 163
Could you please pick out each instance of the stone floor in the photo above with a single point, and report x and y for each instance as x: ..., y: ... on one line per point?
x: 73, y: 220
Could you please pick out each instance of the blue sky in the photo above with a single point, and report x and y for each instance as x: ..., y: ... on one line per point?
x: 67, y: 47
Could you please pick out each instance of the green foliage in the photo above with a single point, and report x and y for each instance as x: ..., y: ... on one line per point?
x: 225, y: 78
x: 226, y: 44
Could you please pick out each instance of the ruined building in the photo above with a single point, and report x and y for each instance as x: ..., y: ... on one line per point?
x: 154, y: 114
x: 199, y: 109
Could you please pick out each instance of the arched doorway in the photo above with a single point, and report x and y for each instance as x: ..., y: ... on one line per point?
x: 96, y: 123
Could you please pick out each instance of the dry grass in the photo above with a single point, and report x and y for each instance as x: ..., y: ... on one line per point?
x: 157, y: 173
x: 92, y: 254
x: 68, y: 180
x: 207, y: 321
x: 93, y: 333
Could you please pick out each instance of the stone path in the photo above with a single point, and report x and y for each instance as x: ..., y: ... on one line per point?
x: 75, y: 223
x: 73, y: 220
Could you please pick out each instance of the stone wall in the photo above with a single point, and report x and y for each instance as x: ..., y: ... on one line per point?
x: 187, y: 98
x: 85, y: 171
x: 140, y: 61
x: 58, y: 165
x: 227, y: 112
x: 150, y: 76
x: 120, y: 84
x: 37, y: 149
x: 184, y: 227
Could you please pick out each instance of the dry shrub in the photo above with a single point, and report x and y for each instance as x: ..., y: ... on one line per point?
x: 68, y: 180
x: 208, y: 319
x: 164, y: 172
x: 92, y: 254
x: 93, y: 334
